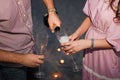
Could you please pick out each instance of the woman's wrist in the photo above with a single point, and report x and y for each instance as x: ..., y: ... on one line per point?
x: 89, y: 43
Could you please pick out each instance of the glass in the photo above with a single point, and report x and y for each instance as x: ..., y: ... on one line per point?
x: 41, y: 44
x: 62, y: 36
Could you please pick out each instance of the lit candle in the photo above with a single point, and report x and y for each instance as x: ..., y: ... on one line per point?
x: 58, y: 49
x: 62, y: 61
x: 56, y: 75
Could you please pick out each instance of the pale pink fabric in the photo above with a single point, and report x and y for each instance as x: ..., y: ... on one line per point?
x: 16, y: 26
x: 105, y: 62
x: 16, y: 34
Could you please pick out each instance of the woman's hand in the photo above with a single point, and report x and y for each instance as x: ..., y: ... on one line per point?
x: 74, y: 36
x: 75, y: 46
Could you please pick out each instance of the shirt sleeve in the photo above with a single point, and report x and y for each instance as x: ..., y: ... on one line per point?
x: 85, y: 9
x: 113, y: 36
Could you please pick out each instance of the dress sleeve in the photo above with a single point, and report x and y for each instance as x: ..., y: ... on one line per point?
x: 86, y: 7
x: 113, y: 36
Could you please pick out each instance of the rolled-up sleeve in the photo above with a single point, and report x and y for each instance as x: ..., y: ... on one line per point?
x: 113, y: 36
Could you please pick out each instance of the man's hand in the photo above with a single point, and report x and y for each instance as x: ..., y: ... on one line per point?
x: 53, y: 21
x: 32, y: 60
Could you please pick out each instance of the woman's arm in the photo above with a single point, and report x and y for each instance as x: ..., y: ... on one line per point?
x: 84, y: 26
x: 78, y: 45
x: 81, y: 29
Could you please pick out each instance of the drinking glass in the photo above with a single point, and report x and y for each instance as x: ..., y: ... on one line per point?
x: 41, y: 41
x: 62, y: 36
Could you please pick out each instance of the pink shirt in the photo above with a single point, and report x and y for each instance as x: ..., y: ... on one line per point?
x: 16, y: 26
x: 102, y: 64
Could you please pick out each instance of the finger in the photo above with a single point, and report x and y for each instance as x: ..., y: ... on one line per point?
x: 34, y: 65
x: 51, y: 27
x: 70, y: 51
x: 65, y: 44
x: 58, y: 25
x: 41, y: 56
x: 67, y: 53
x: 40, y: 62
x: 70, y: 38
x: 66, y: 48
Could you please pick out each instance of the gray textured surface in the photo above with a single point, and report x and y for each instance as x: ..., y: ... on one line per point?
x: 71, y: 15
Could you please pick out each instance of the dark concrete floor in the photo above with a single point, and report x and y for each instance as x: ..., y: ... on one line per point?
x: 71, y: 15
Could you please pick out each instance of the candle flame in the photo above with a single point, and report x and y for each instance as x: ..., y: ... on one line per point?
x: 58, y: 49
x: 62, y: 61
x: 56, y: 75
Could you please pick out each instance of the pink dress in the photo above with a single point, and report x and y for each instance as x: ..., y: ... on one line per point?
x: 102, y: 64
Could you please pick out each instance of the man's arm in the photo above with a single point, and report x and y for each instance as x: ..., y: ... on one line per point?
x: 6, y: 56
x: 29, y: 60
x: 53, y: 18
x: 49, y: 4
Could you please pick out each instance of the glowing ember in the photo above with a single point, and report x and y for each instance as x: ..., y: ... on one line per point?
x: 58, y: 49
x: 62, y: 61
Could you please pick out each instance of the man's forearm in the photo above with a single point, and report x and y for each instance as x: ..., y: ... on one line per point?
x: 49, y: 4
x: 6, y: 56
